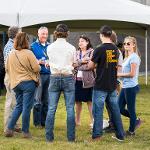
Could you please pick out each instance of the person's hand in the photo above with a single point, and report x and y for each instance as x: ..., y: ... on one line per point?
x: 119, y: 74
x: 85, y: 60
x: 47, y: 65
x: 41, y: 62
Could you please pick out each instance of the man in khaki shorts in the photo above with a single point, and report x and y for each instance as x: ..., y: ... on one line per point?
x: 10, y: 95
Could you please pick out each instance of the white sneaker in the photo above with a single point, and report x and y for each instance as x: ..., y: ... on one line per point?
x: 105, y: 123
x: 120, y: 140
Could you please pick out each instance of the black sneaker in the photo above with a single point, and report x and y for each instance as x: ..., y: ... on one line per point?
x: 128, y: 133
x: 120, y: 139
x: 109, y: 129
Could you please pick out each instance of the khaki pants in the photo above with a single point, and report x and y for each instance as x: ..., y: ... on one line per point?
x: 10, y: 102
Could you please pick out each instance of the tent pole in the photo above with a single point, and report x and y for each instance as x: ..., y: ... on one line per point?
x: 146, y: 47
x: 18, y: 19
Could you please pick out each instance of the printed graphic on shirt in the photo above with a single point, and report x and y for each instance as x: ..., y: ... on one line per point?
x: 111, y: 58
x: 105, y: 56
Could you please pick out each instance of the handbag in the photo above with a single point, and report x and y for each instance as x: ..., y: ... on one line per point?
x: 37, y: 75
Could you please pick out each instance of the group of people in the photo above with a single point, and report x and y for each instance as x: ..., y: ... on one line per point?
x: 36, y: 76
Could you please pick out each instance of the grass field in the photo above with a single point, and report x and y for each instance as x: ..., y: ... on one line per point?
x: 83, y: 133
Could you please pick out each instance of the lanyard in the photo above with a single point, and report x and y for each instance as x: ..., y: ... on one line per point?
x: 80, y: 56
x: 44, y: 52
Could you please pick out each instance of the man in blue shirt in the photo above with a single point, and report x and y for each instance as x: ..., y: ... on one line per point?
x: 39, y: 48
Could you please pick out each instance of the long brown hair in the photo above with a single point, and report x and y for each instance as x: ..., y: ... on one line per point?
x: 113, y: 37
x: 89, y: 45
x: 21, y: 41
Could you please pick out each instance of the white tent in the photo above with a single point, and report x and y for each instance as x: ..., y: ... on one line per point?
x: 79, y: 14
x: 56, y: 10
x: 8, y: 13
x: 29, y: 12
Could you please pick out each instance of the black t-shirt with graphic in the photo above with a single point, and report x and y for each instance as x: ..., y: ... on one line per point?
x: 106, y: 58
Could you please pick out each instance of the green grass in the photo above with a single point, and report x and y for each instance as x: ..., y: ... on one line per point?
x: 83, y: 133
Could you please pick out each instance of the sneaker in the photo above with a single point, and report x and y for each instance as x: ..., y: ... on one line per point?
x: 39, y: 127
x: 118, y: 139
x: 128, y: 133
x: 27, y: 135
x: 109, y: 129
x: 138, y: 123
x: 9, y: 133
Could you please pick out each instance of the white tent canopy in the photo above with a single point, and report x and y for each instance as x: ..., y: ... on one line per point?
x: 29, y: 12
x: 8, y: 13
x: 56, y: 10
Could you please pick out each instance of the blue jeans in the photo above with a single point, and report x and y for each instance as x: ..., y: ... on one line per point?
x: 128, y: 97
x: 98, y: 100
x: 24, y: 102
x: 67, y: 85
x: 109, y: 113
x: 41, y: 101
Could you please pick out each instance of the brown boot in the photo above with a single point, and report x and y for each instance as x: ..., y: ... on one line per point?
x: 17, y: 130
x: 27, y: 135
x: 9, y: 133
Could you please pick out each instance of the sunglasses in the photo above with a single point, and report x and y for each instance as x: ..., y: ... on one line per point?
x: 128, y: 44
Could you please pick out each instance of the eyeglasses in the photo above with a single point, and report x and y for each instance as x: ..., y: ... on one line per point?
x: 128, y: 44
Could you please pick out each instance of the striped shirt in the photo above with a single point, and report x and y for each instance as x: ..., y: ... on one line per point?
x: 8, y: 47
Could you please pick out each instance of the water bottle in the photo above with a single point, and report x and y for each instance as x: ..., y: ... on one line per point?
x: 43, y: 59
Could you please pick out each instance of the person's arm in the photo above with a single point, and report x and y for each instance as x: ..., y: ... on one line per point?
x: 96, y: 56
x: 6, y: 65
x: 39, y: 61
x: 132, y: 72
x: 89, y: 66
x: 77, y: 62
x: 33, y: 62
x: 86, y: 63
x: 7, y: 50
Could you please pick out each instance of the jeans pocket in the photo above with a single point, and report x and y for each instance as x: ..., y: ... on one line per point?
x: 53, y: 86
x: 69, y: 84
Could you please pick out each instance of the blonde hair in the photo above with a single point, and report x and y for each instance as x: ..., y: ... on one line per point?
x: 133, y: 40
